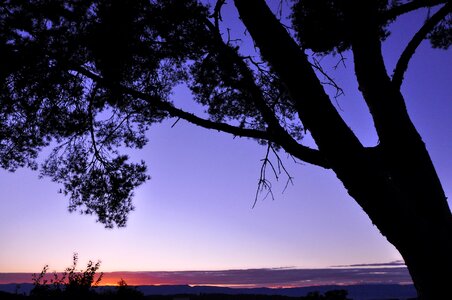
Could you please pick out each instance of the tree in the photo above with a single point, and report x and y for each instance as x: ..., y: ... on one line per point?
x: 88, y: 77
x: 72, y: 284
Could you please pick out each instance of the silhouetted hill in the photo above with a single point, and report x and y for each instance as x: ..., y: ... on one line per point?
x: 355, y: 292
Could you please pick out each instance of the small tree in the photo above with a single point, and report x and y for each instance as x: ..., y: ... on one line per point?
x: 70, y: 284
x: 124, y: 291
x: 81, y: 283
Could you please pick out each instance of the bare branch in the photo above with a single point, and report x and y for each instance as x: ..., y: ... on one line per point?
x: 282, y: 168
x: 408, y: 52
x: 264, y: 184
x: 97, y: 154
x: 277, y: 132
x: 329, y: 80
x: 178, y: 113
x: 177, y: 121
x: 217, y: 14
x: 341, y: 61
x: 409, y: 7
x: 301, y: 152
x: 310, y: 100
x: 120, y: 123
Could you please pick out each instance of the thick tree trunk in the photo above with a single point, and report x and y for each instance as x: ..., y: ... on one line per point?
x: 395, y: 183
x: 404, y: 199
x: 401, y: 191
x: 425, y: 242
x: 428, y: 257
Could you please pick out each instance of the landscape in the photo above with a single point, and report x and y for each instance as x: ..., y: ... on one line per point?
x: 361, y: 282
x: 225, y: 149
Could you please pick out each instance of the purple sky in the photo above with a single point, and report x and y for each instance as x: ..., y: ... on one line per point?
x: 196, y: 211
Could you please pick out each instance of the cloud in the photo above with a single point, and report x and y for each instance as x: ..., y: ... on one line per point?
x: 396, y: 263
x: 364, y: 274
x: 270, y: 277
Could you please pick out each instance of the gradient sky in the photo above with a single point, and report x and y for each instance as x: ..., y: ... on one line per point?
x: 196, y: 211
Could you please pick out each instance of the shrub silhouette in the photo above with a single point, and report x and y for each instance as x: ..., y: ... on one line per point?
x: 330, y: 295
x: 71, y: 284
x: 124, y: 291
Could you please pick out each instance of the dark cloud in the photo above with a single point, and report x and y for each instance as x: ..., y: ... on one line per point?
x: 253, y: 277
x: 396, y: 263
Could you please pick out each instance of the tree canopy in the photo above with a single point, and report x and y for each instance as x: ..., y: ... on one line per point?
x: 89, y: 77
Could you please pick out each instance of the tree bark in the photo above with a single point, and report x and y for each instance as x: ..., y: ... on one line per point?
x: 411, y: 213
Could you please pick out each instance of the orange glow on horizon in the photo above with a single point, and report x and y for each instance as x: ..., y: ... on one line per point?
x: 252, y: 278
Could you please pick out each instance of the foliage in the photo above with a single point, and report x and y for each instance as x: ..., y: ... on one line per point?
x: 70, y: 284
x: 441, y: 36
x: 124, y: 291
x: 47, y: 49
x: 323, y: 27
x: 88, y: 78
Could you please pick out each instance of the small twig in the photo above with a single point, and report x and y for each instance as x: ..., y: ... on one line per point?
x: 409, y: 7
x: 283, y: 168
x: 330, y: 81
x: 126, y: 118
x: 280, y: 8
x: 217, y: 13
x: 341, y: 60
x: 97, y: 153
x: 174, y: 124
x: 264, y: 183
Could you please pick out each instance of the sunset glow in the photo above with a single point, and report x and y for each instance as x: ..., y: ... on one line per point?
x: 272, y: 278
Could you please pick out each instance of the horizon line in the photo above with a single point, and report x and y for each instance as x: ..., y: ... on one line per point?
x: 264, y: 277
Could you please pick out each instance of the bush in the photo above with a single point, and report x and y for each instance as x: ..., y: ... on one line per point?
x: 72, y: 284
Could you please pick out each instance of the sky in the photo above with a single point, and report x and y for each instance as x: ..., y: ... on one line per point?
x: 391, y: 273
x: 196, y: 212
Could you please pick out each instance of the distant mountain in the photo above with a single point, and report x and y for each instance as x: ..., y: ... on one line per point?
x: 356, y: 292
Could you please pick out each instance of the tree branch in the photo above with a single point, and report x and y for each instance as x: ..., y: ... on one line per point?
x: 408, y: 52
x: 247, y: 83
x: 386, y: 104
x: 334, y: 138
x: 217, y: 14
x: 409, y: 7
x: 301, y: 152
x: 97, y: 153
x: 264, y: 183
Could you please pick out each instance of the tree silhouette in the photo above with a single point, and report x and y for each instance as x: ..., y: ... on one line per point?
x: 71, y: 284
x: 330, y: 295
x: 91, y: 76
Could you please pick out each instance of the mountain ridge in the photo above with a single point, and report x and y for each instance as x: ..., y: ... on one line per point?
x: 356, y: 292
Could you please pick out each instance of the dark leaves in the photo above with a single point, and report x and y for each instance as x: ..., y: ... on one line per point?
x: 95, y: 183
x: 45, y: 99
x: 441, y: 36
x: 323, y: 26
x: 320, y: 25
